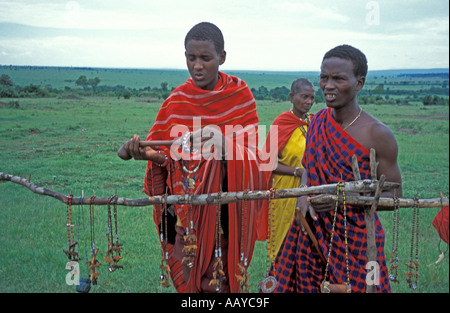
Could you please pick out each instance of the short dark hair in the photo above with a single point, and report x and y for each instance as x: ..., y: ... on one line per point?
x: 207, y: 32
x: 352, y: 54
x: 300, y: 82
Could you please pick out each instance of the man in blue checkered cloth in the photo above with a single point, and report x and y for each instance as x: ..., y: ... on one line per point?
x: 336, y: 133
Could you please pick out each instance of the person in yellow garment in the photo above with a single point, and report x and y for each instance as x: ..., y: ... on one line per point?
x: 292, y: 128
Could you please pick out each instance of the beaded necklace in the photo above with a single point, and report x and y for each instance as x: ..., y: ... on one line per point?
x: 243, y: 276
x: 269, y: 283
x: 164, y: 266
x: 189, y: 180
x: 393, y: 269
x: 93, y: 263
x: 113, y: 256
x: 70, y: 252
x: 190, y: 238
x: 412, y: 275
x: 218, y: 274
x: 326, y: 286
x: 307, y: 120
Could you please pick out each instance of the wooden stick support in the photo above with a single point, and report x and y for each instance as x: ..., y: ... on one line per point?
x: 311, y: 235
x: 369, y: 216
x: 123, y: 154
x: 157, y: 143
x: 355, y: 168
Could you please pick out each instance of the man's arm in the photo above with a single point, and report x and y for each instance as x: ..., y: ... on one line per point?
x: 283, y: 169
x: 386, y: 149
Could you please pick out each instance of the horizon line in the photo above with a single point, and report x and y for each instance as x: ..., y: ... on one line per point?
x: 227, y: 70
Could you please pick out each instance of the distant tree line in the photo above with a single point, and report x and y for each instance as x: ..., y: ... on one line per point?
x: 380, y: 94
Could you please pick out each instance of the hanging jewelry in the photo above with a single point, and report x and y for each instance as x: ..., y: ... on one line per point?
x: 108, y: 258
x: 243, y: 276
x: 412, y: 275
x: 114, y: 248
x: 187, y: 146
x: 117, y: 247
x: 326, y: 286
x: 393, y: 269
x: 190, y: 238
x: 70, y: 252
x: 164, y: 266
x: 189, y: 180
x: 269, y: 283
x: 85, y: 283
x: 93, y: 263
x: 218, y: 274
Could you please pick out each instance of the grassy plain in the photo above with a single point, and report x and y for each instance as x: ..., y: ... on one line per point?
x: 70, y: 145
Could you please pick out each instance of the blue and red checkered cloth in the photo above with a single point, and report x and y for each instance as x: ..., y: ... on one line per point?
x: 298, y: 267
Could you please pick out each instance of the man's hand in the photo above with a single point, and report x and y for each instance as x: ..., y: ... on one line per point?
x: 132, y: 150
x: 304, y: 206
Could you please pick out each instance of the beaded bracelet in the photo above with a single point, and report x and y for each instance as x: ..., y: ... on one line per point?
x: 166, y: 160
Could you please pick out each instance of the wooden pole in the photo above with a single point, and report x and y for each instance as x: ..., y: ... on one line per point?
x: 369, y: 216
x: 157, y: 143
x: 325, y: 193
x: 387, y: 204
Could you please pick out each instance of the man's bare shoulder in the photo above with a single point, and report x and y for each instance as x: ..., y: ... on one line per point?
x: 372, y: 133
x: 377, y: 128
x: 380, y: 137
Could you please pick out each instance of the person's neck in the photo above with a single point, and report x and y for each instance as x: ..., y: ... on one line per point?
x: 299, y: 115
x: 346, y: 115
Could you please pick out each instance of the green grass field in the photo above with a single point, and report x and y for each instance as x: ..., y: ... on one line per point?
x: 74, y: 143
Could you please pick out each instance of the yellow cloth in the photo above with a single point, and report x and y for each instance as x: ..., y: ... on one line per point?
x: 290, y: 155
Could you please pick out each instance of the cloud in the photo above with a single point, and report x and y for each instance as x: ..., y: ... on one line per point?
x: 259, y: 34
x: 308, y: 12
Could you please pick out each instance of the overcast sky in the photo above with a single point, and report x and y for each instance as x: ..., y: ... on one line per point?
x: 282, y: 35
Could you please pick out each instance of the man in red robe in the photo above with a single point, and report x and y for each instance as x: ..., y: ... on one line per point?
x: 209, y: 247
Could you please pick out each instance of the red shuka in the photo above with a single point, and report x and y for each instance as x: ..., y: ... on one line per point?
x: 232, y: 108
x: 286, y: 123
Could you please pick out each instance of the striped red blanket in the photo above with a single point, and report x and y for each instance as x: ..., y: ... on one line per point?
x: 232, y: 108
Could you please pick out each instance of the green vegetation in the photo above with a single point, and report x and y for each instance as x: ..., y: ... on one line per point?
x: 382, y: 87
x: 69, y: 142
